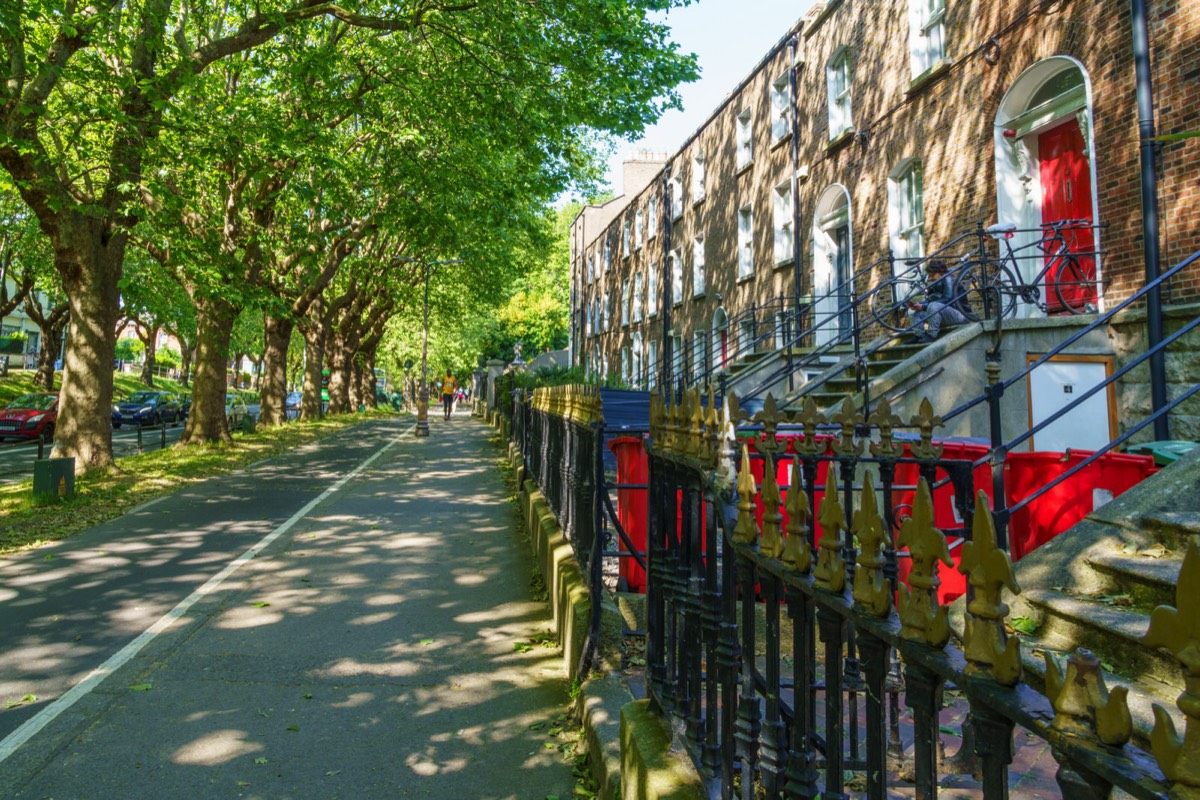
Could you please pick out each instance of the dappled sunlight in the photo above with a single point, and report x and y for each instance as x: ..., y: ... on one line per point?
x: 372, y: 619
x: 241, y: 617
x: 218, y: 747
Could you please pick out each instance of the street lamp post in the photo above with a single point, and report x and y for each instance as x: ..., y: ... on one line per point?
x: 423, y: 397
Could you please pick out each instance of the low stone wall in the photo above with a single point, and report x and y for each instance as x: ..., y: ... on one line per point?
x: 629, y: 746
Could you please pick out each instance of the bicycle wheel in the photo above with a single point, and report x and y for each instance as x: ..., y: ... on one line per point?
x: 1075, y: 290
x: 888, y: 308
x: 986, y: 296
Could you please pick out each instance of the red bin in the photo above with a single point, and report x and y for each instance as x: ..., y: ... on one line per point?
x: 1070, y: 501
x: 632, y: 467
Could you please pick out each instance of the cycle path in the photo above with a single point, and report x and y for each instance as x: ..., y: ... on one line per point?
x: 366, y: 651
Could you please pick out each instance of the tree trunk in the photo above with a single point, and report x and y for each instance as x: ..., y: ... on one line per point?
x: 214, y: 328
x: 91, y: 273
x: 314, y: 360
x: 339, y: 368
x: 185, y: 362
x: 150, y: 346
x: 48, y: 354
x: 273, y: 377
x: 367, y: 381
x: 355, y: 375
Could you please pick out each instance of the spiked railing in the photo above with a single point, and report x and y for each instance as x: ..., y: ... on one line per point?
x: 728, y: 551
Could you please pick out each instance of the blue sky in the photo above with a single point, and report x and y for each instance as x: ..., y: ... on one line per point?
x: 730, y: 37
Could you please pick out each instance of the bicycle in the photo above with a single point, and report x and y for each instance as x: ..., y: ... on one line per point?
x: 985, y: 287
x: 996, y: 281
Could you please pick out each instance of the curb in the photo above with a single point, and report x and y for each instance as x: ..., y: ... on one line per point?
x: 623, y: 737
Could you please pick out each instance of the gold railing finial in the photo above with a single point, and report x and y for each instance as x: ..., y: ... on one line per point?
x: 849, y: 418
x: 1083, y: 706
x: 1178, y: 631
x: 872, y: 590
x: 830, y: 572
x: 811, y: 418
x: 988, y: 648
x: 922, y: 619
x: 771, y: 543
x: 770, y: 417
x: 746, y: 530
x: 926, y: 421
x: 887, y: 422
x: 797, y: 553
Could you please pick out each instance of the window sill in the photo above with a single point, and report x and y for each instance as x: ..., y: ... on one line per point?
x: 745, y: 278
x: 841, y: 140
x: 782, y: 140
x: 698, y: 295
x: 928, y: 77
x: 787, y: 262
x: 743, y: 168
x: 698, y: 200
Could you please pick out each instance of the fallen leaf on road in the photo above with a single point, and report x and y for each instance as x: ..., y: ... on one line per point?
x: 293, y: 727
x: 29, y: 698
x: 261, y: 604
x: 261, y: 760
x: 333, y: 772
x: 141, y: 687
x: 426, y: 642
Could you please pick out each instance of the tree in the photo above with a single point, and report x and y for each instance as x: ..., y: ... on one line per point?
x: 86, y: 89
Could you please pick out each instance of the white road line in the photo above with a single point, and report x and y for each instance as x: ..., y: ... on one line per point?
x: 33, y: 725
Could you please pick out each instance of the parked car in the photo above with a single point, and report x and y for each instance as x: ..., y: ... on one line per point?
x: 185, y: 405
x: 235, y: 411
x: 146, y: 408
x: 29, y: 417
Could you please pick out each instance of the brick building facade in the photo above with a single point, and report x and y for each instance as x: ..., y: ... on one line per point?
x: 880, y: 126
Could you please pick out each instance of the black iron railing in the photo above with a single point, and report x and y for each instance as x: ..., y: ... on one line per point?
x: 812, y: 706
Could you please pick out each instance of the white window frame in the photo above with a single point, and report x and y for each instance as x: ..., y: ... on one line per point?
x: 745, y: 258
x: 781, y: 105
x: 637, y: 296
x: 698, y: 177
x: 626, y: 364
x: 779, y: 330
x: 698, y: 283
x: 625, y: 302
x: 607, y: 308
x: 677, y: 355
x: 926, y: 35
x: 838, y: 81
x: 906, y: 206
x: 652, y: 290
x: 638, y: 350
x: 625, y: 238
x: 745, y: 138
x: 651, y: 363
x: 607, y: 254
x: 745, y: 334
x: 639, y: 229
x: 677, y: 196
x: 699, y: 353
x: 676, y: 277
x: 651, y: 217
x: 784, y: 223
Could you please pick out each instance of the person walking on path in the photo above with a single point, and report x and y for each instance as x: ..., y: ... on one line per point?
x: 449, y: 386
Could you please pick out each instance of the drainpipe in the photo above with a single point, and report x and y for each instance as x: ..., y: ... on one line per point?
x: 667, y: 282
x: 1150, y: 249
x: 795, y: 182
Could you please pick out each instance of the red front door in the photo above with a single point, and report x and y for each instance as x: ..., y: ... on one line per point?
x: 724, y: 347
x: 1067, y: 194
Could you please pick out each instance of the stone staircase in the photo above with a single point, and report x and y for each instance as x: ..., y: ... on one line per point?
x: 1095, y: 585
x: 830, y: 394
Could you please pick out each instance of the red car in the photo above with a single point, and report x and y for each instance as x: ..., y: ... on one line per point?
x: 29, y: 416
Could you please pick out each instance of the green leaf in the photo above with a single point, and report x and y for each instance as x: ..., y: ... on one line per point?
x: 948, y: 730
x: 29, y: 698
x: 1024, y: 625
x: 261, y: 760
x: 261, y: 604
x: 141, y: 687
x: 426, y: 642
x: 293, y: 727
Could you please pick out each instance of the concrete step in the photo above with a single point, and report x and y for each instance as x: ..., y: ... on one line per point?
x: 1149, y: 578
x: 1171, y: 528
x: 1111, y: 630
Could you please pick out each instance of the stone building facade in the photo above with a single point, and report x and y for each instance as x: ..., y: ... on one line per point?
x: 891, y: 127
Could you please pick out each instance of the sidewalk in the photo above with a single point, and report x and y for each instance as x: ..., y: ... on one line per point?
x: 367, y: 652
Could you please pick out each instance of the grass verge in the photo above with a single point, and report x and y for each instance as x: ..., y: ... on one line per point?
x: 137, y: 479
